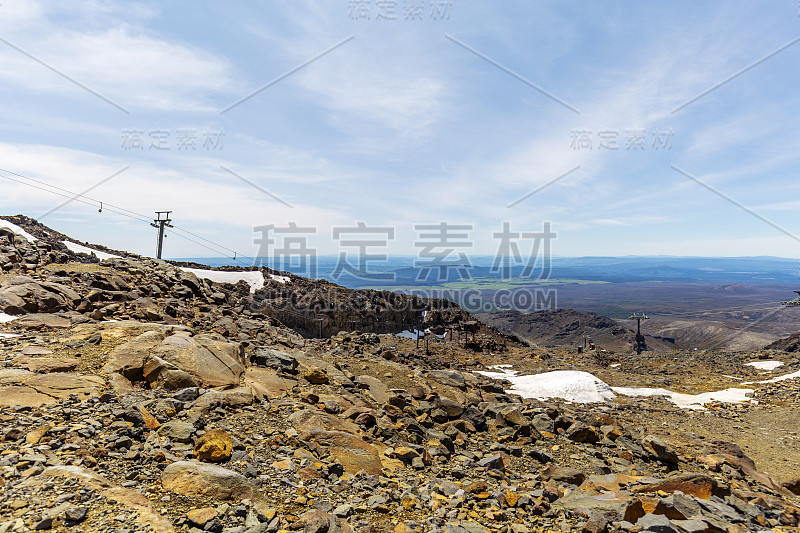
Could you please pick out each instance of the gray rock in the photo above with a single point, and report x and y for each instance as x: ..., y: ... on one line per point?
x: 659, y: 449
x: 492, y: 462
x: 657, y: 523
x: 680, y: 506
x: 177, y: 430
x: 691, y: 526
x: 193, y: 478
x: 272, y: 358
x: 448, y: 377
x: 343, y: 511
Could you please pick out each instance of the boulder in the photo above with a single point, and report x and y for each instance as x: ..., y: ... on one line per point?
x: 451, y: 407
x: 699, y: 485
x: 209, y: 359
x: 348, y: 450
x: 266, y: 383
x: 129, y: 358
x: 272, y: 358
x: 316, y: 376
x: 659, y: 449
x: 196, y: 479
x: 580, y: 432
x: 512, y: 416
x: 177, y: 430
x: 656, y: 523
x: 47, y: 364
x: 214, y: 447
x: 377, y: 388
x: 42, y: 321
x: 238, y: 397
x: 20, y: 387
x: 618, y: 505
x: 450, y: 378
x: 308, y: 421
x: 563, y: 474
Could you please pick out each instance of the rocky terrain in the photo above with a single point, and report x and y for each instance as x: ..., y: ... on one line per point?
x: 136, y: 396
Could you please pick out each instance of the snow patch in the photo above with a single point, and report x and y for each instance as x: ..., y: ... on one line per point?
x: 571, y: 385
x: 80, y: 249
x: 253, y: 278
x: 775, y: 380
x: 6, y: 318
x: 583, y: 387
x: 279, y: 279
x: 765, y: 365
x: 9, y: 335
x: 690, y: 401
x: 17, y: 229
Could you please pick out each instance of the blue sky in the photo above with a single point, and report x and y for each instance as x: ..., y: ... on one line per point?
x: 450, y: 116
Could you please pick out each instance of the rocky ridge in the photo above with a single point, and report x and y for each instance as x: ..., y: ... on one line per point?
x: 118, y: 420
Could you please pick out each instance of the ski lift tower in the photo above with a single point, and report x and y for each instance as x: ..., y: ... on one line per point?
x: 638, y: 317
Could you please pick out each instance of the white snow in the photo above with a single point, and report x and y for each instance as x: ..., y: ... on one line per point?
x: 16, y: 229
x: 689, y: 401
x: 279, y: 279
x: 6, y: 318
x: 765, y: 365
x: 254, y: 278
x: 775, y: 380
x: 583, y: 387
x: 571, y: 385
x: 9, y: 335
x: 80, y: 249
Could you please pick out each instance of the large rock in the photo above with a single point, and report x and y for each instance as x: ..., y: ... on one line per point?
x: 448, y: 377
x: 128, y: 359
x: 563, y: 474
x: 214, y: 447
x: 177, y: 430
x: 209, y: 359
x: 659, y: 449
x: 699, y: 485
x: 275, y: 359
x: 266, y: 383
x: 618, y: 505
x: 22, y: 294
x: 47, y: 364
x: 42, y: 321
x: 377, y: 388
x: 193, y: 478
x: 348, y: 450
x: 308, y: 421
x: 656, y: 523
x: 20, y: 387
x: 233, y: 398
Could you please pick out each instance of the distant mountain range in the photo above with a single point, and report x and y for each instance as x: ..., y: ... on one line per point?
x: 719, y: 270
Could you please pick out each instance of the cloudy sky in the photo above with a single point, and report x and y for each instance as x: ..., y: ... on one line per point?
x: 632, y: 128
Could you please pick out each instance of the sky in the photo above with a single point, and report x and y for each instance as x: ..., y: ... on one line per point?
x: 631, y: 128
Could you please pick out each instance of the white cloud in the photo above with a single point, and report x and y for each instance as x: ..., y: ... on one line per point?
x: 124, y: 63
x: 200, y: 194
